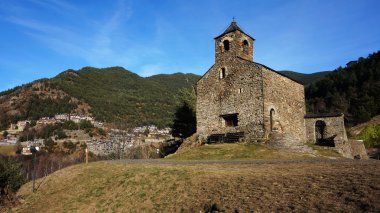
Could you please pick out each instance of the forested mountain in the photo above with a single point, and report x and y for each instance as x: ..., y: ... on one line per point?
x: 353, y: 90
x: 114, y: 95
x: 303, y: 78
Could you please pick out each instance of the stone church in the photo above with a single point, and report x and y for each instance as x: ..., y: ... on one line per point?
x: 240, y: 98
x: 238, y: 94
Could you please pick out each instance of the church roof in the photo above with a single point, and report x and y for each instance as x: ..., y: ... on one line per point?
x: 232, y: 28
x: 271, y: 70
x: 324, y: 115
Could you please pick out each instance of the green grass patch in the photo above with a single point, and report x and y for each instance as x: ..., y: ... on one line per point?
x: 325, y: 151
x: 233, y: 151
x: 371, y: 136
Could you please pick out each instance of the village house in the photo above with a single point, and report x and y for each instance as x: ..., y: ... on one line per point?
x: 46, y: 120
x: 22, y: 124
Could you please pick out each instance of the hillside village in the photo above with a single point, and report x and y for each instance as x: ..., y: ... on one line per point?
x: 115, y: 141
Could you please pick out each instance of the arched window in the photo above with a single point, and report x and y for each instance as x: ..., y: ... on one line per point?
x: 245, y: 46
x: 271, y: 114
x: 222, y: 73
x: 226, y: 45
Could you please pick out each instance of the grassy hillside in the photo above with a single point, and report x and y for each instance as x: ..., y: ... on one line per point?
x: 367, y: 131
x: 288, y: 187
x: 305, y: 79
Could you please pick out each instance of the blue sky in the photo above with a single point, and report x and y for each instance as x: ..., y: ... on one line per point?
x: 41, y: 38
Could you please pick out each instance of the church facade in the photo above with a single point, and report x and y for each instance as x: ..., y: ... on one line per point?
x: 239, y: 95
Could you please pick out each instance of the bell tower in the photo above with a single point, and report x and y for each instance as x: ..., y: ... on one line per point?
x: 234, y: 42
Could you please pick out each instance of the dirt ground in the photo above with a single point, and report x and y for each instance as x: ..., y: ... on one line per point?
x: 320, y: 186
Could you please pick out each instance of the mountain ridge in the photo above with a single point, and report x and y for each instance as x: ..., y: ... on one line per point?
x: 305, y: 78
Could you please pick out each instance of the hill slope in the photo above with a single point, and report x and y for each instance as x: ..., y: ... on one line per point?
x: 113, y: 95
x: 116, y: 94
x: 150, y: 187
x: 305, y: 79
x: 35, y: 100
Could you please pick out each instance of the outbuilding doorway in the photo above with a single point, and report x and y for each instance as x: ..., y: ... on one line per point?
x: 321, y: 135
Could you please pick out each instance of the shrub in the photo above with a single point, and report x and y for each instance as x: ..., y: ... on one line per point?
x: 11, y: 177
x: 5, y: 134
x: 70, y: 146
x: 371, y: 136
x: 49, y: 145
x: 101, y: 132
x: 85, y: 125
x: 61, y: 134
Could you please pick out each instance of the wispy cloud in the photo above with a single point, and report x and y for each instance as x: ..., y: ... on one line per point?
x: 102, y: 46
x: 97, y: 45
x: 36, y: 25
x: 56, y: 5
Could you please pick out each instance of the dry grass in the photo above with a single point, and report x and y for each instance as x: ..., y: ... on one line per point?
x: 235, y: 151
x: 301, y: 187
x: 7, y: 150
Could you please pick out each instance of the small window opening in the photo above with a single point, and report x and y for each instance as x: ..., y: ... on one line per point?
x: 271, y: 119
x: 223, y: 72
x: 245, y: 46
x: 230, y: 120
x: 240, y: 90
x: 226, y: 45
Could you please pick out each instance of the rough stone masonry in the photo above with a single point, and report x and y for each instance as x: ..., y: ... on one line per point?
x: 238, y: 95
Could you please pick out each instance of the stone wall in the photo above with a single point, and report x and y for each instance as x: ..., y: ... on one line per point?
x: 286, y: 99
x: 334, y: 127
x: 237, y: 85
x: 236, y: 47
x: 351, y: 149
x: 239, y: 92
x: 232, y: 86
